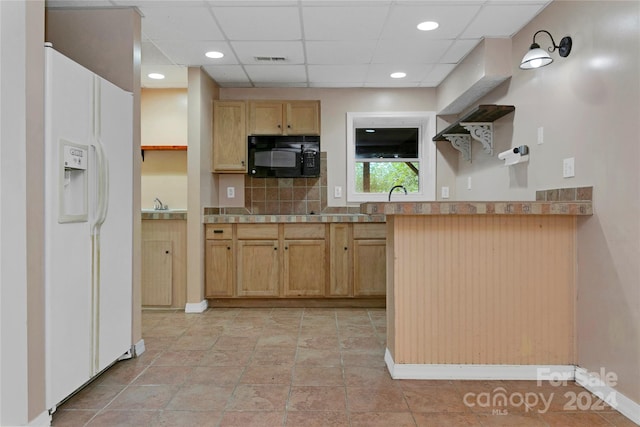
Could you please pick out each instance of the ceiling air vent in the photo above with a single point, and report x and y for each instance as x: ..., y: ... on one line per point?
x: 269, y: 58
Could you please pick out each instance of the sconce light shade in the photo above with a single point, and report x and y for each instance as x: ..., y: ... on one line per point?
x: 537, y: 57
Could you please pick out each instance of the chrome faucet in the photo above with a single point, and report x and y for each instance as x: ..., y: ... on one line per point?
x: 157, y: 205
x: 397, y: 186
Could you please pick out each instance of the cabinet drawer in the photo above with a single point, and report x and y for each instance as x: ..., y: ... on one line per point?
x: 304, y: 231
x: 370, y: 231
x: 253, y: 231
x: 218, y: 231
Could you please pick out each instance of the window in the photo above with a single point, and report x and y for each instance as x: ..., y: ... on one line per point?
x: 388, y: 149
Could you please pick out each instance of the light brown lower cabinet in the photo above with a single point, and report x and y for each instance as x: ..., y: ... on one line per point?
x: 164, y: 263
x: 258, y: 268
x: 337, y: 260
x: 304, y: 260
x: 219, y: 268
x: 369, y: 260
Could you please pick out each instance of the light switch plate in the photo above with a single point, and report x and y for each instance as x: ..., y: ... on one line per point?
x: 337, y: 192
x: 231, y: 192
x: 568, y: 168
x: 445, y: 192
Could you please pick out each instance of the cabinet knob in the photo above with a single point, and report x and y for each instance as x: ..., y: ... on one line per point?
x: 166, y: 252
x: 279, y: 126
x: 242, y: 162
x: 275, y: 248
x: 289, y: 126
x: 228, y: 248
x: 345, y: 248
x: 286, y: 248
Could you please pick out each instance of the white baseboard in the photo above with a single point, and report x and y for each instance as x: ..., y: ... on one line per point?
x: 139, y: 347
x: 475, y: 372
x: 606, y: 392
x: 589, y: 381
x: 44, y: 419
x: 197, y: 307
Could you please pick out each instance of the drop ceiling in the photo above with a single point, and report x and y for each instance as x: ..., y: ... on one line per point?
x: 324, y: 43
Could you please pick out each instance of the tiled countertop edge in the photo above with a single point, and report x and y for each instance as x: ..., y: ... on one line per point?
x: 311, y: 219
x: 164, y: 215
x: 575, y: 208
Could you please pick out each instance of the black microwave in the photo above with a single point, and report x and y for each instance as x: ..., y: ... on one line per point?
x: 284, y: 156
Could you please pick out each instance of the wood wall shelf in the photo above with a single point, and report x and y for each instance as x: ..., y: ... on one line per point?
x: 478, y: 124
x: 144, y: 148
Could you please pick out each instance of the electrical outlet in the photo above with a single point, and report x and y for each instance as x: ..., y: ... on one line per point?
x: 231, y: 192
x: 445, y: 192
x: 337, y: 192
x: 540, y: 135
x: 568, y: 168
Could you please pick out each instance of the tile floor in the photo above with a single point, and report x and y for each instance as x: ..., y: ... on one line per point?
x: 300, y: 367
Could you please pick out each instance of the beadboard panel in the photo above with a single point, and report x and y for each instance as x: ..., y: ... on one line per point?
x: 482, y: 289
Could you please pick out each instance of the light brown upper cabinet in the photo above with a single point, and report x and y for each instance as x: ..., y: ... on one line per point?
x: 229, y: 151
x: 284, y: 117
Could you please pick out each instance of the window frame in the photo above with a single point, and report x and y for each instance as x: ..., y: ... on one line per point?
x: 425, y: 122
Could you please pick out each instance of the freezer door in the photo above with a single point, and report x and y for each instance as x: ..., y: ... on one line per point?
x: 68, y: 106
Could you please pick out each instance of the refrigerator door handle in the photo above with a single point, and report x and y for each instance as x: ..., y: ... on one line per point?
x: 103, y: 186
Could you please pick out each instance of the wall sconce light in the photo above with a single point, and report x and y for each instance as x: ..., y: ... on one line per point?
x: 537, y: 57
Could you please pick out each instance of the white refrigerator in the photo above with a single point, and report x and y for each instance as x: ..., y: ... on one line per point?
x: 88, y: 225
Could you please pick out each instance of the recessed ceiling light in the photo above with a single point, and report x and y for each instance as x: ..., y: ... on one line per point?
x: 428, y: 26
x: 156, y: 76
x: 214, y: 55
x: 398, y: 75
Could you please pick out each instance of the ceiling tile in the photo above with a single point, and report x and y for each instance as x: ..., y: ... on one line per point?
x: 453, y: 19
x: 343, y: 23
x: 291, y: 50
x: 501, y: 20
x: 379, y: 73
x: 337, y: 73
x: 179, y: 23
x: 192, y: 53
x: 412, y: 51
x: 276, y: 73
x: 340, y: 52
x: 151, y: 55
x: 259, y: 23
x: 227, y: 73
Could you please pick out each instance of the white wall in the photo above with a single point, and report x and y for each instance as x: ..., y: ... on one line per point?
x: 589, y: 107
x: 21, y: 214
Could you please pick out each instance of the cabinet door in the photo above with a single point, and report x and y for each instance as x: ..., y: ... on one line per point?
x: 157, y: 260
x: 340, y: 265
x: 218, y: 268
x: 369, y: 275
x: 258, y: 268
x: 229, y: 151
x: 303, y: 118
x: 266, y: 118
x: 304, y: 268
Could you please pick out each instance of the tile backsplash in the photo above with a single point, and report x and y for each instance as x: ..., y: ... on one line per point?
x: 284, y: 196
x: 565, y: 194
